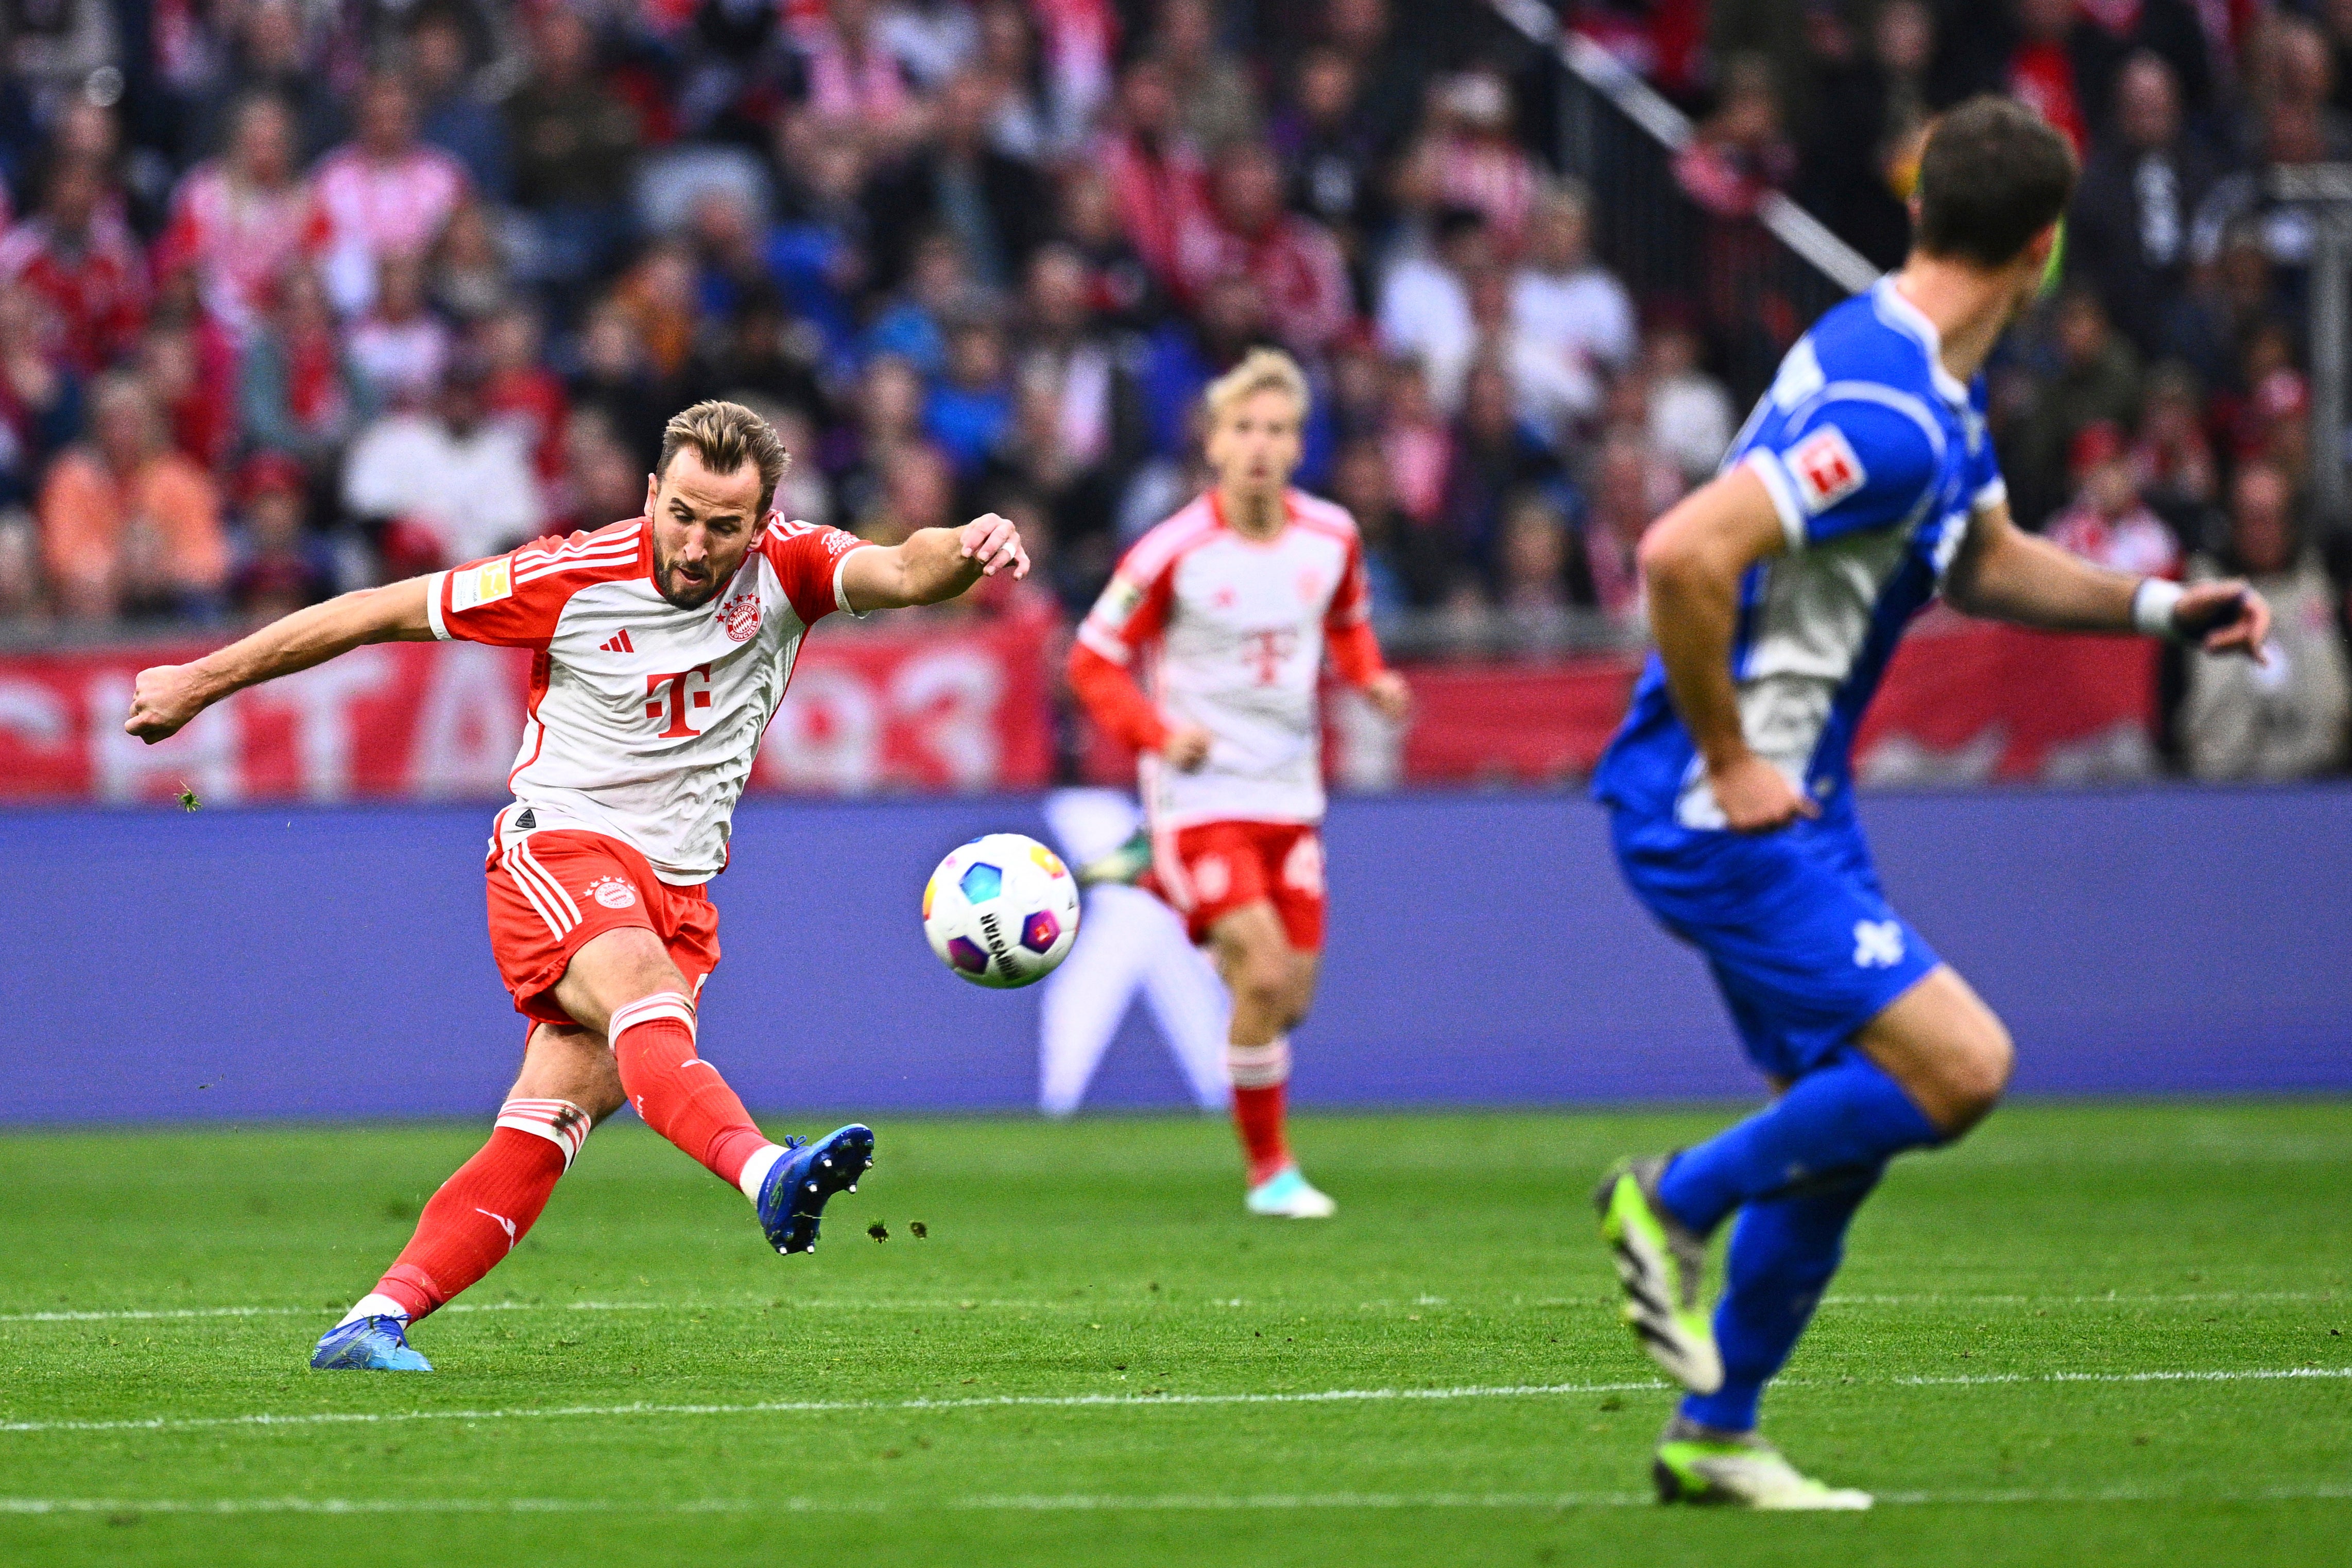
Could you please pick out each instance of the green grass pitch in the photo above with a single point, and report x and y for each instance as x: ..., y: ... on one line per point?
x: 2094, y: 1333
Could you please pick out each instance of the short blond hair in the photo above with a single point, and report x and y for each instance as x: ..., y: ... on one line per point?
x: 726, y: 435
x: 1261, y: 370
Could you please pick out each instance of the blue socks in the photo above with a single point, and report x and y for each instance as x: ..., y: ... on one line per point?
x: 1796, y: 1171
x: 1843, y: 1117
x: 1783, y: 1251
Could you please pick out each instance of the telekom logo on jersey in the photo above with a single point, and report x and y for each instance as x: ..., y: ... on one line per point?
x: 679, y: 699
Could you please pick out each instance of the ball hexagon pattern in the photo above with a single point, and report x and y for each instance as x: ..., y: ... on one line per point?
x: 1040, y: 931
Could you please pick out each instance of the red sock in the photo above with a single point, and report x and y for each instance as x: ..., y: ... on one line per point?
x: 1260, y: 1073
x: 680, y: 1095
x: 492, y: 1203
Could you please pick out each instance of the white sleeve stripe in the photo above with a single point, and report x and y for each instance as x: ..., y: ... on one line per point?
x: 1103, y: 642
x: 1783, y: 491
x: 1992, y: 494
x: 435, y: 587
x: 841, y: 585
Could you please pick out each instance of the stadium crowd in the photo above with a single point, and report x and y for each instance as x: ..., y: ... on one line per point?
x: 300, y: 295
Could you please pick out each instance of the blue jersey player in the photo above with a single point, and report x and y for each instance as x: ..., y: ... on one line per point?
x: 1863, y: 486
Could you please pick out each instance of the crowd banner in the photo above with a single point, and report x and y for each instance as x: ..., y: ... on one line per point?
x: 1963, y: 702
x: 942, y: 708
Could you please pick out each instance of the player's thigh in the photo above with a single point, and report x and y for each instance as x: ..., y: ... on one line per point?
x: 564, y: 1061
x: 1253, y: 951
x: 613, y: 968
x: 1950, y: 1051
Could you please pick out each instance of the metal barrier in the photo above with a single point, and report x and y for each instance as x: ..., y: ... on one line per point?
x: 1752, y: 283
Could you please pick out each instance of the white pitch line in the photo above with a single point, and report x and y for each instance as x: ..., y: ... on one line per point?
x: 2110, y: 1298
x: 270, y: 1421
x: 1083, y: 1503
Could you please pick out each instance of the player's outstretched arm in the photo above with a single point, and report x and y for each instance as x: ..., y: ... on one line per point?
x: 2003, y: 573
x: 167, y: 697
x: 934, y: 564
x: 1693, y: 559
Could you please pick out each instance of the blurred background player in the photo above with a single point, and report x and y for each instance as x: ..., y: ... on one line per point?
x: 664, y: 645
x: 1863, y: 486
x: 1232, y: 602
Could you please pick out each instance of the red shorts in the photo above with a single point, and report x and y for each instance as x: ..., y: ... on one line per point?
x: 551, y: 892
x: 1213, y: 868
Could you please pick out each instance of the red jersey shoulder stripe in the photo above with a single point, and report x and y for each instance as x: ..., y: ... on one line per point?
x: 1323, y: 517
x: 1186, y: 528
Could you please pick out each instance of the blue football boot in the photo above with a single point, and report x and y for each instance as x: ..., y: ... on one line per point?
x: 369, y: 1345
x: 792, y: 1198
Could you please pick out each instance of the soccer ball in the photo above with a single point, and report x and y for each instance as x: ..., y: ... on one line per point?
x: 1001, y: 911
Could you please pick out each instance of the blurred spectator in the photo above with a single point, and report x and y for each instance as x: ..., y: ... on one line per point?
x: 1553, y: 391
x: 918, y: 492
x: 1417, y: 440
x: 1408, y: 565
x: 1389, y: 72
x: 1158, y: 182
x: 2172, y: 460
x: 1232, y: 318
x: 2108, y: 524
x: 856, y: 80
x: 990, y: 204
x: 662, y: 301
x: 1098, y: 401
x: 190, y: 368
x: 1494, y: 458
x: 2096, y: 378
x: 2128, y: 232
x: 298, y: 392
x: 1623, y: 502
x: 40, y: 401
x: 443, y: 484
x: 574, y: 147
x: 608, y: 484
x: 1532, y: 590
x: 1424, y: 306
x: 970, y: 412
x: 613, y: 378
x: 1329, y: 146
x: 2042, y: 71
x: 382, y: 195
x: 914, y: 325
x: 450, y: 114
x: 1566, y: 300
x: 271, y: 56
x: 399, y: 347
x: 469, y: 274
x: 762, y: 357
x: 1219, y: 106
x: 1741, y: 150
x: 126, y: 515
x: 932, y: 39
x: 81, y: 259
x: 1120, y: 289
x: 1479, y: 165
x: 1034, y: 118
x: 278, y: 565
x: 241, y: 220
x: 23, y: 604
x: 2284, y: 718
x: 527, y: 397
x: 1866, y: 119
x: 1246, y: 232
x: 890, y: 418
x: 1688, y: 414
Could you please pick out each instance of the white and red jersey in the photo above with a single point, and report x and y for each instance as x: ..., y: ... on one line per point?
x: 1233, y: 631
x: 644, y: 717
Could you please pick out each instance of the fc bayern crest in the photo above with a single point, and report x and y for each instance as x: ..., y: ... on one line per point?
x: 739, y: 616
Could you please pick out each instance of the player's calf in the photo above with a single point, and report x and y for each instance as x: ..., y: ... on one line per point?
x: 1949, y: 1051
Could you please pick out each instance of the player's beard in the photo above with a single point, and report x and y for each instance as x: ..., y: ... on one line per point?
x: 687, y: 592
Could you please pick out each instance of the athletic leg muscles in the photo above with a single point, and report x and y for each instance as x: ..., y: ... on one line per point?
x: 621, y: 965
x: 1272, y: 982
x: 1949, y: 1051
x: 570, y: 1064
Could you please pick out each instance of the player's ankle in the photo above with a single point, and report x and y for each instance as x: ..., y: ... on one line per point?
x: 756, y: 1166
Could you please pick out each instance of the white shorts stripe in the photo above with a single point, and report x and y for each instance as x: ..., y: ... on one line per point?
x: 561, y: 899
x: 535, y: 894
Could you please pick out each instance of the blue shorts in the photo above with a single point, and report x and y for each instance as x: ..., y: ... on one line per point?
x: 1801, y: 938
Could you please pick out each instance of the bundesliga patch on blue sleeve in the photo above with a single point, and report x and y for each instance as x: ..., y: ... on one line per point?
x: 1825, y: 470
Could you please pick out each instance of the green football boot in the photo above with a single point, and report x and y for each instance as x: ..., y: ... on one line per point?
x: 1738, y: 1469
x: 1660, y: 1262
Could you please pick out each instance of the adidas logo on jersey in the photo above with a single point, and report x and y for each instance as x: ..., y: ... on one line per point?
x: 617, y: 643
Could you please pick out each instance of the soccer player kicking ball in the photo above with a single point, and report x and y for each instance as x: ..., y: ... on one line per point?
x: 662, y: 646
x: 1235, y: 600
x: 1861, y: 485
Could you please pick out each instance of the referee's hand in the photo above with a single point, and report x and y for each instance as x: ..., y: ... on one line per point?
x: 1756, y: 797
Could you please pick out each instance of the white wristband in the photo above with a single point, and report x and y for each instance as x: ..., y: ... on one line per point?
x: 2153, y: 602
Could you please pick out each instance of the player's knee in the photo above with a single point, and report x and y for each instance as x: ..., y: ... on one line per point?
x: 1980, y: 1071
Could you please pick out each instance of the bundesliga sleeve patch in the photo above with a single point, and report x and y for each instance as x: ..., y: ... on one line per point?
x: 1825, y: 469
x: 1119, y: 601
x: 484, y: 585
